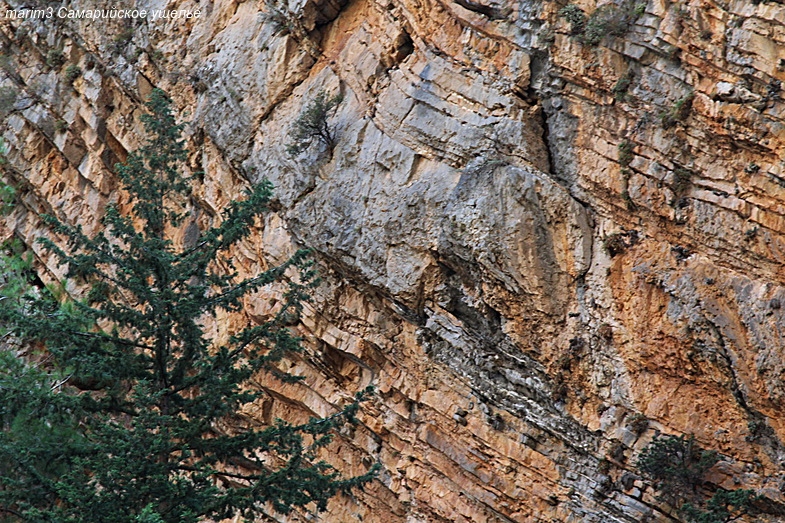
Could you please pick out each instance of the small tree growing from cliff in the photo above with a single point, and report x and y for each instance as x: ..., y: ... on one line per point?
x: 121, y: 419
x: 313, y: 124
x: 677, y: 464
x: 723, y: 507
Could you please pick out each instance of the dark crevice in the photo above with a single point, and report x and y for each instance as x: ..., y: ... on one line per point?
x: 546, y: 140
x: 541, y: 92
x: 758, y: 423
x: 404, y: 47
x: 328, y: 11
x: 491, y: 12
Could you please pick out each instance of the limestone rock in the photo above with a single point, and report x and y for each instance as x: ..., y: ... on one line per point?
x: 467, y: 226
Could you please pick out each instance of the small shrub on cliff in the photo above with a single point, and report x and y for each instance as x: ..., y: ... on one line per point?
x: 280, y: 18
x: 575, y: 16
x: 676, y: 464
x: 724, y: 506
x: 121, y: 41
x: 6, y: 64
x: 7, y: 197
x: 612, y: 19
x: 678, y: 112
x: 598, y: 26
x: 313, y: 124
x: 625, y: 153
x: 16, y: 272
x: 72, y: 72
x: 617, y: 243
x: 758, y: 428
x: 609, y: 19
x: 55, y: 58
x: 622, y: 86
x: 126, y: 421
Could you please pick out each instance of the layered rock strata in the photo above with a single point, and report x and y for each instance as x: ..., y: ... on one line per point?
x: 529, y: 240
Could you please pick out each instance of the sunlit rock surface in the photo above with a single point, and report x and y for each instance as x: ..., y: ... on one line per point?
x: 525, y: 240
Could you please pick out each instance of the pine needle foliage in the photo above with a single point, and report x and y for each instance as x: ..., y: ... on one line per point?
x: 575, y: 16
x: 677, y: 464
x: 610, y: 19
x: 723, y: 507
x: 313, y: 124
x: 122, y: 423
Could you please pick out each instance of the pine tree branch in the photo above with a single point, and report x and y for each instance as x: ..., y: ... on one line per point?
x: 142, y: 441
x: 113, y: 339
x: 13, y: 513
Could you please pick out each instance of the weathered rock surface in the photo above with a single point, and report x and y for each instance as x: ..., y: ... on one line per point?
x: 525, y: 240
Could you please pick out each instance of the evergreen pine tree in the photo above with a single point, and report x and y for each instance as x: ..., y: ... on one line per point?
x: 123, y: 422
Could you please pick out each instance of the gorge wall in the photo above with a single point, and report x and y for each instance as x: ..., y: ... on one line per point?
x: 542, y: 248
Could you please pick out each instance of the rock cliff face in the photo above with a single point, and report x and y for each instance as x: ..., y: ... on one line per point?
x: 533, y: 234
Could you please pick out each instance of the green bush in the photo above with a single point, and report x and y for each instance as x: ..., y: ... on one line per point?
x: 678, y: 467
x: 575, y: 16
x: 7, y: 197
x: 312, y: 125
x: 3, y: 152
x: 72, y: 72
x: 625, y: 153
x: 676, y: 464
x: 723, y: 507
x: 16, y: 271
x: 55, y: 58
x: 128, y: 421
x: 608, y: 19
x: 623, y: 86
x: 280, y: 19
x: 678, y: 112
x: 599, y: 23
